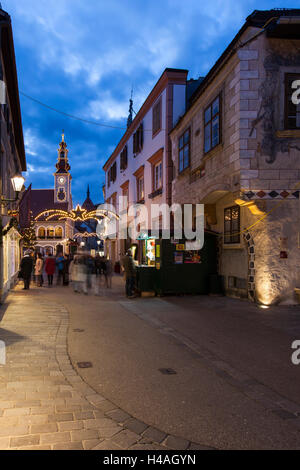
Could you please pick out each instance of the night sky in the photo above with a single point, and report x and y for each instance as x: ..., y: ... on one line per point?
x: 83, y: 57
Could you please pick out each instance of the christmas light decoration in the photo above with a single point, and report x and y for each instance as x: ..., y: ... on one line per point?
x: 76, y: 215
x: 29, y: 235
x: 85, y: 235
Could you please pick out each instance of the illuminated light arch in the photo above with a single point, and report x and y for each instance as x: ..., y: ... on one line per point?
x: 77, y: 215
x: 85, y: 235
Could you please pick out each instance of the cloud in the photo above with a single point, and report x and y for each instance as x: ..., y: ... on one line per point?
x: 84, y: 58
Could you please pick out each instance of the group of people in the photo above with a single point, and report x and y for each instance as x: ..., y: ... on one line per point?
x: 87, y: 272
x: 35, y: 264
x: 84, y: 271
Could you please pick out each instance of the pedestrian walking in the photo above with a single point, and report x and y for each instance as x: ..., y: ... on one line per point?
x: 60, y: 268
x: 39, y: 270
x: 50, y: 268
x: 108, y: 273
x: 66, y: 270
x: 98, y: 264
x: 26, y: 269
x: 130, y: 274
x: 79, y: 274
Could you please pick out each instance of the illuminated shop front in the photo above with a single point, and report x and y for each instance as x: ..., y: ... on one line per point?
x: 171, y: 266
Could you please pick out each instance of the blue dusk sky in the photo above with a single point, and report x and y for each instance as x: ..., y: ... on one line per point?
x: 83, y: 57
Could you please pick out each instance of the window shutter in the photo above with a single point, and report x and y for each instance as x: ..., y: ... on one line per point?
x: 141, y: 136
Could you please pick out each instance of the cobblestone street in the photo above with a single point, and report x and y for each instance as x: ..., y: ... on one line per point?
x: 84, y: 372
x: 44, y: 403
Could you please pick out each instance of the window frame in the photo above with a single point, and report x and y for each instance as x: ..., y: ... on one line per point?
x: 154, y: 186
x: 288, y: 93
x: 124, y: 158
x: 138, y: 139
x: 182, y: 149
x: 138, y: 180
x: 112, y: 173
x: 158, y: 116
x: 228, y: 236
x: 209, y: 122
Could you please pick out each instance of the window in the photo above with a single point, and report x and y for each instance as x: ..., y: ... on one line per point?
x: 138, y: 139
x: 232, y: 225
x: 123, y: 158
x: 184, y: 150
x: 50, y: 232
x: 157, y: 176
x: 212, y: 130
x: 58, y: 232
x: 41, y: 232
x: 156, y: 118
x: 292, y: 110
x: 140, y: 188
x: 112, y: 173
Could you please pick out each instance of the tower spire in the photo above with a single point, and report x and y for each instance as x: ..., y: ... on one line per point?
x: 63, y: 136
x: 88, y: 191
x: 129, y: 120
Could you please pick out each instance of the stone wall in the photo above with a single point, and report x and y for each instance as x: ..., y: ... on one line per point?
x: 256, y: 162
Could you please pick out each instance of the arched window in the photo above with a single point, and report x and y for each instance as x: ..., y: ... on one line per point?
x: 58, y: 232
x: 50, y: 232
x: 41, y: 232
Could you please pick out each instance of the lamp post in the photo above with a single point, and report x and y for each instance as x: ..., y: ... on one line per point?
x: 17, y: 184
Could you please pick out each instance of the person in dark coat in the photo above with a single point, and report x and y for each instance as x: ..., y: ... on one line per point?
x: 26, y: 269
x: 66, y: 270
x: 130, y: 274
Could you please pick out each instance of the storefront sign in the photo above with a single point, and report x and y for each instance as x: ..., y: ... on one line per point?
x: 192, y: 257
x: 178, y: 258
x: 180, y: 247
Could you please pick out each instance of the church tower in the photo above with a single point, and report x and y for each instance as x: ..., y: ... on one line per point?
x: 62, y: 177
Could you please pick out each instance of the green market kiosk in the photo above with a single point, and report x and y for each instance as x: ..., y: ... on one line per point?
x: 171, y: 266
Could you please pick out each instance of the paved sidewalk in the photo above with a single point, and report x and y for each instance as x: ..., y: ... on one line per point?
x: 44, y: 403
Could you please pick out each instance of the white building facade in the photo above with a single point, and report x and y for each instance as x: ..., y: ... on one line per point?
x: 140, y: 168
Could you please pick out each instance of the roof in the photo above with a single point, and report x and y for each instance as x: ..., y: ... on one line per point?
x: 258, y: 19
x: 9, y: 62
x: 43, y: 199
x: 88, y: 204
x: 168, y: 75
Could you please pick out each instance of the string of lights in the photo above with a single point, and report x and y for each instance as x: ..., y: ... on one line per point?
x: 77, y: 118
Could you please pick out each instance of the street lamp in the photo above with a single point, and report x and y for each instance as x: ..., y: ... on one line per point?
x: 17, y: 183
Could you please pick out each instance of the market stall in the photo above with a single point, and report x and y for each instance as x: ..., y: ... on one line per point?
x: 173, y: 266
